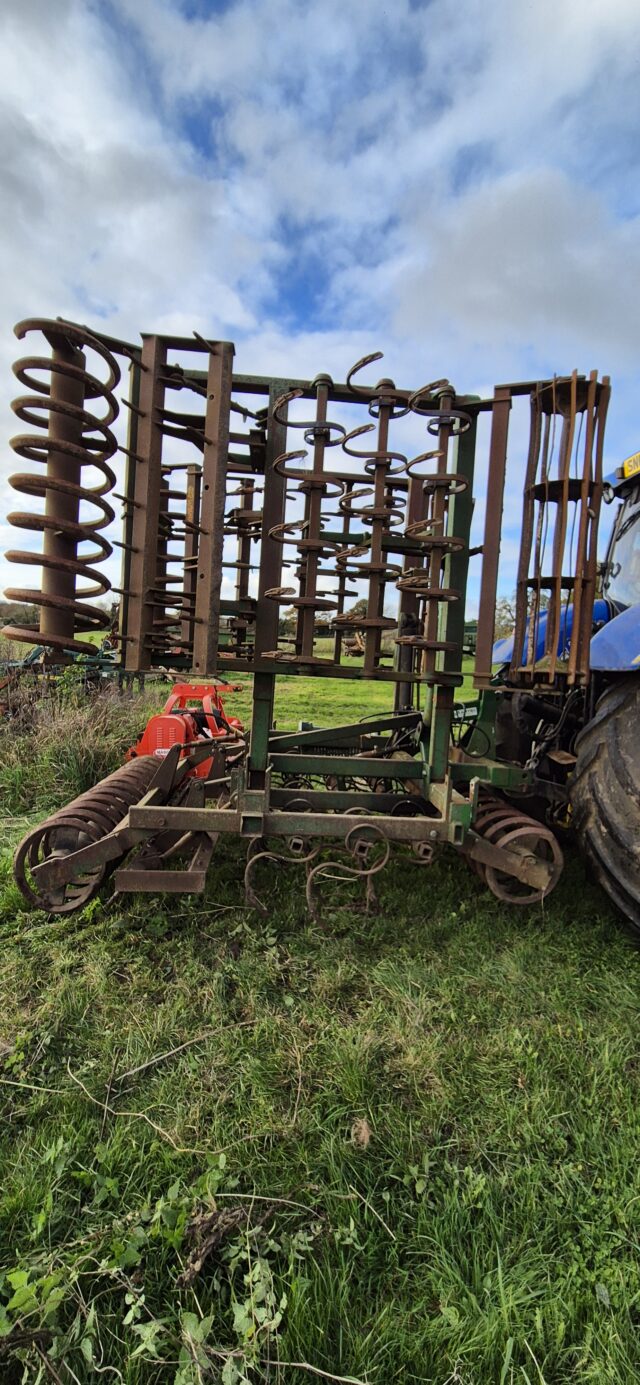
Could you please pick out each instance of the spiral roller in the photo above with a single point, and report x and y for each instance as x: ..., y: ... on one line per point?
x: 86, y: 820
x: 71, y: 439
x: 504, y: 826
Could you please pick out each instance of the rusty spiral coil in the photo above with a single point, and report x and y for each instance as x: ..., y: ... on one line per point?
x: 71, y: 438
x: 503, y: 825
x: 86, y: 820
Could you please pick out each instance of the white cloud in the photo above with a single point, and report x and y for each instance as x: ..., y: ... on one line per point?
x: 528, y: 260
x: 451, y: 175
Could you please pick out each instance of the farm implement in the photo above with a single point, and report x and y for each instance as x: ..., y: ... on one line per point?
x: 347, y: 507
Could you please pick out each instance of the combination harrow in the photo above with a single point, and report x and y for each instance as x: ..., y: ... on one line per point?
x: 278, y: 526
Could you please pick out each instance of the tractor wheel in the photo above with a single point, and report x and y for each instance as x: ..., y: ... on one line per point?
x: 605, y: 795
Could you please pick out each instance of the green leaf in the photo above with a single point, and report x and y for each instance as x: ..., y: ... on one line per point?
x: 5, y: 1323
x: 507, y: 1361
x: 148, y: 1332
x: 86, y: 1347
x: 25, y: 1297
x: 242, y: 1321
x: 134, y: 1311
x: 191, y: 1325
x: 17, y: 1278
x: 54, y: 1299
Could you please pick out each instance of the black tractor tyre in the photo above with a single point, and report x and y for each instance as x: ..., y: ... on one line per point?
x: 605, y: 795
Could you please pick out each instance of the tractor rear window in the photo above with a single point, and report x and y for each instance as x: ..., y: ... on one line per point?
x: 623, y: 582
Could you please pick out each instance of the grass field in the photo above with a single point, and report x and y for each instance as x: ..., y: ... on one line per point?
x: 392, y: 1148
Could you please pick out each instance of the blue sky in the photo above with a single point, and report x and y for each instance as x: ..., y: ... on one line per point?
x: 452, y: 182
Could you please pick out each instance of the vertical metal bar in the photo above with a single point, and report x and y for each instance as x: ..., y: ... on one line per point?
x: 128, y: 506
x: 146, y: 510
x: 534, y: 600
x: 192, y: 521
x: 460, y: 515
x: 212, y: 508
x: 375, y: 602
x: 451, y: 625
x: 243, y: 559
x: 560, y: 532
x: 267, y: 611
x: 60, y: 548
x: 161, y: 627
x: 492, y: 534
x: 244, y: 542
x: 436, y: 554
x: 526, y: 539
x: 576, y: 651
x: 343, y: 580
x: 409, y: 604
x: 313, y: 516
x: 595, y: 506
x: 273, y: 512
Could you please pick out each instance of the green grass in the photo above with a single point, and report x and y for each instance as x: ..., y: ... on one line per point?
x: 426, y: 1120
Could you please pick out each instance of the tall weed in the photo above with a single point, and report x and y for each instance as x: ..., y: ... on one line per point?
x: 56, y: 742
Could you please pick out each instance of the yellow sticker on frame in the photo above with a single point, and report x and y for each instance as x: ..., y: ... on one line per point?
x: 632, y: 465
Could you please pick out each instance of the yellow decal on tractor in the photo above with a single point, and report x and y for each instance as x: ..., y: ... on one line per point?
x: 632, y: 465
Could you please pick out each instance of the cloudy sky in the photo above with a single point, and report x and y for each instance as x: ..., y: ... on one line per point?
x: 453, y: 182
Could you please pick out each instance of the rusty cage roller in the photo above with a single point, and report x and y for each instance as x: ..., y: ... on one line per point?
x: 75, y: 439
x: 90, y: 817
x: 503, y: 825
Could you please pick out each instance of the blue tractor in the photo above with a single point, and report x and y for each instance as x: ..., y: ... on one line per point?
x: 600, y: 733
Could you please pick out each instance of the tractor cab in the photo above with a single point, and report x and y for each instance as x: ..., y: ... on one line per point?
x: 621, y: 572
x: 615, y: 648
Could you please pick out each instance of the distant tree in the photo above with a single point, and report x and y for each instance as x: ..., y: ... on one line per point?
x: 359, y: 609
x: 506, y: 613
x: 287, y: 621
x: 505, y: 616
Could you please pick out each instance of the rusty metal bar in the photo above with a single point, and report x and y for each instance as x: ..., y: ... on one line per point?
x: 596, y: 503
x: 191, y: 539
x: 586, y: 558
x: 313, y: 519
x: 245, y: 528
x: 128, y: 498
x: 146, y: 510
x: 379, y: 524
x: 281, y: 824
x: 576, y: 652
x: 273, y: 514
x: 492, y: 532
x: 560, y: 530
x: 526, y: 539
x: 409, y: 623
x: 213, y: 500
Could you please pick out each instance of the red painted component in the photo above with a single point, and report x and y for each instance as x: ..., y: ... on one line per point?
x: 182, y: 723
